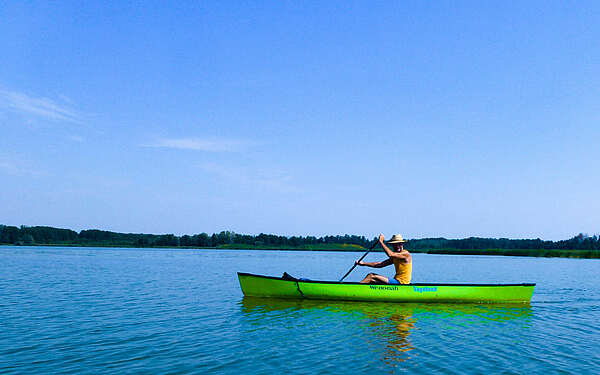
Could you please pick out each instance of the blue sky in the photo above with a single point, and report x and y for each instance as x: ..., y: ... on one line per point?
x: 445, y: 119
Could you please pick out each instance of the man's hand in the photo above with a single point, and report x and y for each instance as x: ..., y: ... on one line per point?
x: 359, y: 263
x: 381, y: 239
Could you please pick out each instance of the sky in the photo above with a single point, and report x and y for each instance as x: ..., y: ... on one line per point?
x: 429, y: 119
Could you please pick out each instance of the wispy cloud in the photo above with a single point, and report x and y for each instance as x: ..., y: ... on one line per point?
x: 203, y: 144
x: 15, y: 168
x: 9, y: 168
x: 263, y: 179
x: 39, y: 107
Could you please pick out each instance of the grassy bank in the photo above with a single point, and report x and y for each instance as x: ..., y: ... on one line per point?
x: 584, y: 254
x: 554, y: 253
x: 318, y: 247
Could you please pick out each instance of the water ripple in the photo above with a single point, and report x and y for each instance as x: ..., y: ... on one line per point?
x: 181, y: 312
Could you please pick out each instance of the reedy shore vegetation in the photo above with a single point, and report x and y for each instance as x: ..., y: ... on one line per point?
x: 580, y: 246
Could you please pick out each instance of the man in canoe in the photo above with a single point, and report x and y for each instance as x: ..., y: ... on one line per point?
x: 399, y: 257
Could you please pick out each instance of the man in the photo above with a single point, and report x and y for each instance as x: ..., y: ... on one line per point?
x: 400, y: 258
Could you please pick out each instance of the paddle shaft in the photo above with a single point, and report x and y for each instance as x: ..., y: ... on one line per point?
x: 361, y: 258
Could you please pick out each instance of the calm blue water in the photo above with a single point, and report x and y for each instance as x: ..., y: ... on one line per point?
x: 94, y: 311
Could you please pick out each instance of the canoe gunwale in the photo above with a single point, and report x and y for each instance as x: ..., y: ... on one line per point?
x: 357, y: 283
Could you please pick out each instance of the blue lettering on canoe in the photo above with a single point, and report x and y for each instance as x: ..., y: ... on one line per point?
x: 422, y: 289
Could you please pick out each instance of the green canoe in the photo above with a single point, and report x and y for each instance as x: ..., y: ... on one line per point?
x: 278, y: 287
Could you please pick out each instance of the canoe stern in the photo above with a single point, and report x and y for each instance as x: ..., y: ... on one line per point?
x: 253, y: 286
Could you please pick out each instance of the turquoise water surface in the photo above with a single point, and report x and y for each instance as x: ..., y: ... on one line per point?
x: 95, y: 311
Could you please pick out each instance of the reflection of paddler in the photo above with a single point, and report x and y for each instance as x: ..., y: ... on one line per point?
x: 395, y: 329
x: 399, y: 257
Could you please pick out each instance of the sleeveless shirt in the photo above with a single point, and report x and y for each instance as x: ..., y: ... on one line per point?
x: 403, y: 271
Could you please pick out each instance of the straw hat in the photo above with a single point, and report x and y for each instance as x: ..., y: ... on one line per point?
x: 396, y: 238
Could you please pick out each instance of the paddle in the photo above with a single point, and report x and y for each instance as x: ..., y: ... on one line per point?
x: 361, y: 258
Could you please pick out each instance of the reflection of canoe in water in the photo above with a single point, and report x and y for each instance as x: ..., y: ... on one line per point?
x: 261, y: 307
x: 277, y: 287
x: 381, y: 310
x: 385, y: 328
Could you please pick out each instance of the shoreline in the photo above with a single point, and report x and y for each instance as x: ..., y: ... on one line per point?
x: 534, y: 253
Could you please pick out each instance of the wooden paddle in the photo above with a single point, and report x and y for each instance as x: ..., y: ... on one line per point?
x: 361, y: 258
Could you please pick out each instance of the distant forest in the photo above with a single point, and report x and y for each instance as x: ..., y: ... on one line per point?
x: 42, y: 235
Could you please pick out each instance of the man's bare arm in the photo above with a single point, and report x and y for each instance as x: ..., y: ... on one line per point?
x: 390, y: 253
x: 381, y: 264
x: 387, y: 250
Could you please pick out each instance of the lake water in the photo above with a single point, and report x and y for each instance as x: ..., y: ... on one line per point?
x: 94, y: 311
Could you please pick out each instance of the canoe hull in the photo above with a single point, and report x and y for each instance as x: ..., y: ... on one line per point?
x: 275, y: 287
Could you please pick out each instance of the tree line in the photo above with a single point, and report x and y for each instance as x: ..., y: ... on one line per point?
x: 43, y: 235
x: 578, y: 242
